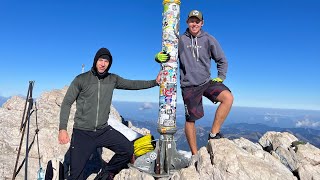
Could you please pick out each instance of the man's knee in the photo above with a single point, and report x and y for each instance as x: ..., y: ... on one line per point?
x: 229, y: 97
x: 225, y: 97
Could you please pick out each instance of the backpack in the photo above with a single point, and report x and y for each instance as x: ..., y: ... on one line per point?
x: 54, y: 170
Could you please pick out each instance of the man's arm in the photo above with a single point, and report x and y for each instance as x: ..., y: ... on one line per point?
x: 219, y: 57
x: 136, y: 84
x: 67, y: 102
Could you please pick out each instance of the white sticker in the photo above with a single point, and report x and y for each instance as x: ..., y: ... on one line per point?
x: 164, y: 117
x: 153, y: 156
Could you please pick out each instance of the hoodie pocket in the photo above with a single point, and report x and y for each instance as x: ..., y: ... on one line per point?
x: 199, y: 76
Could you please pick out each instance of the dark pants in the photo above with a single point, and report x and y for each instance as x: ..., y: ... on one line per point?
x: 93, y: 165
x: 84, y: 143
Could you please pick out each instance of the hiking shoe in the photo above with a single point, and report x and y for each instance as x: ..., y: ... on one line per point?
x: 194, y: 160
x: 216, y: 136
x: 104, y: 175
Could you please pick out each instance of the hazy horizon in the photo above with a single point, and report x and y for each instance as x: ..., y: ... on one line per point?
x: 206, y: 103
x: 277, y: 117
x: 270, y: 116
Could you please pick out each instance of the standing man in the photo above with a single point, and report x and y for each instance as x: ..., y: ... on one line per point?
x: 92, y: 92
x: 196, y: 49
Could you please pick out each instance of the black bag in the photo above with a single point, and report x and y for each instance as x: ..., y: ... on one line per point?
x: 54, y: 170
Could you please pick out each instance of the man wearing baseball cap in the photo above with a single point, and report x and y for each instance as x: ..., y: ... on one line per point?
x: 196, y: 49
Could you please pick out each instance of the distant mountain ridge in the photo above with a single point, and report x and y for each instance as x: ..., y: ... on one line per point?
x: 3, y: 100
x: 252, y: 132
x: 283, y: 118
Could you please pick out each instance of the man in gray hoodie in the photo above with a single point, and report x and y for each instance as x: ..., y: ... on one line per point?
x: 196, y: 49
x: 92, y: 92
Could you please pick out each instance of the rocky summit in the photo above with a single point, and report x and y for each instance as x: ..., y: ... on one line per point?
x: 276, y: 155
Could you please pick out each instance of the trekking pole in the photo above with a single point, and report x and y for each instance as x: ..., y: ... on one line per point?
x: 27, y: 141
x: 40, y: 173
x: 23, y: 126
x: 24, y: 110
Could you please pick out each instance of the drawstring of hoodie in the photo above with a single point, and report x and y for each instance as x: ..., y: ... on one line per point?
x: 195, y: 49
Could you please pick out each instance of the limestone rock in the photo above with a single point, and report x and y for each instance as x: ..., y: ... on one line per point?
x: 14, y: 103
x: 308, y: 161
x: 48, y: 110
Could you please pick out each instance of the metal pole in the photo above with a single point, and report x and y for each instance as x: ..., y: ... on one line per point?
x: 168, y: 87
x: 165, y: 158
x: 82, y: 68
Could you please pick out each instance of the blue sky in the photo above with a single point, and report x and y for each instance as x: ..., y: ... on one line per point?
x: 273, y: 46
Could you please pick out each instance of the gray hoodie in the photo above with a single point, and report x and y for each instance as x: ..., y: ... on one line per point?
x: 195, y: 54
